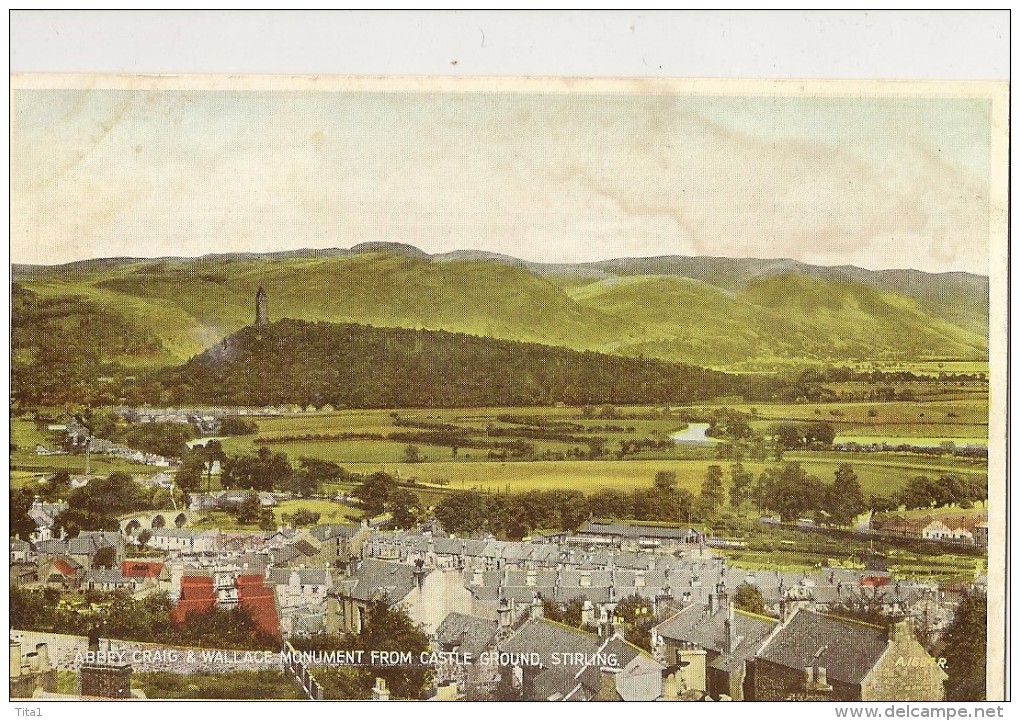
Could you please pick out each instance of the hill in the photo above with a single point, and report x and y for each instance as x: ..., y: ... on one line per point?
x: 717, y: 312
x: 358, y: 366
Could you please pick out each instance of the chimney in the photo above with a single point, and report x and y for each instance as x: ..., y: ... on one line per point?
x: 821, y: 681
x: 729, y: 632
x: 713, y: 604
x: 420, y: 573
x: 900, y: 631
x: 537, y: 610
x: 380, y: 692
x: 503, y: 614
x: 670, y: 688
x: 15, y: 659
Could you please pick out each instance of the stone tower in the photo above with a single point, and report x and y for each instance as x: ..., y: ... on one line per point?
x: 261, y: 307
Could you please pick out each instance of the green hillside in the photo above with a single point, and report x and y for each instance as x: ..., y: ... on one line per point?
x: 707, y: 311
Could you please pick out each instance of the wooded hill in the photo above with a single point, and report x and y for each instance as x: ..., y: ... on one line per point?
x: 358, y: 366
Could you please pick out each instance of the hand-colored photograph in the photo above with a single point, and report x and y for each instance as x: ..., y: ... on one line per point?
x: 500, y: 390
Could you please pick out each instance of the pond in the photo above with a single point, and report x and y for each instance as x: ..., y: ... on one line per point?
x: 693, y: 433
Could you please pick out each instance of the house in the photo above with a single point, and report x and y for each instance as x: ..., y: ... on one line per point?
x: 551, y: 661
x: 147, y: 572
x: 85, y: 548
x: 260, y: 602
x: 183, y: 540
x: 300, y: 586
x: 104, y: 579
x: 20, y: 550
x: 197, y: 595
x: 465, y: 638
x: 44, y: 515
x: 819, y: 657
x: 426, y: 595
x: 340, y: 544
x: 635, y: 535
x: 24, y: 573
x: 712, y: 643
x: 61, y: 572
x: 161, y: 480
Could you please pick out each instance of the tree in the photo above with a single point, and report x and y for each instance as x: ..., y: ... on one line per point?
x: 638, y: 617
x: 404, y: 506
x: 749, y: 598
x: 117, y: 493
x: 462, y: 512
x: 211, y: 454
x: 740, y: 484
x: 105, y: 557
x: 144, y: 537
x: 844, y: 498
x: 385, y: 628
x: 966, y: 649
x: 22, y: 525
x: 305, y: 517
x: 374, y: 492
x: 713, y: 494
x: 665, y: 480
x: 412, y: 455
x: 58, y: 486
x: 189, y: 475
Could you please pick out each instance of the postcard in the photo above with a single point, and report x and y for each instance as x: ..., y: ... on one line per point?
x: 485, y: 389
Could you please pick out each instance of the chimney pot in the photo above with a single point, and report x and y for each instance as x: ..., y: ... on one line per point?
x: 822, y: 681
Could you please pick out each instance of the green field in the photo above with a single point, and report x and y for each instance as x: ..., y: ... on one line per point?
x: 329, y: 512
x: 876, y: 477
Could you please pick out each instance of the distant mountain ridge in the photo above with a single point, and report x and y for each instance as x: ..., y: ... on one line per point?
x: 719, y: 312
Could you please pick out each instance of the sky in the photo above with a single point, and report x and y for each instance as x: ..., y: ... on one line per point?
x: 554, y: 177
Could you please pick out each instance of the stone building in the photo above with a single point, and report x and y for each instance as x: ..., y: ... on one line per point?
x: 819, y: 657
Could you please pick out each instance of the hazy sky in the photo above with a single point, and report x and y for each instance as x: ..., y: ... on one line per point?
x: 879, y: 183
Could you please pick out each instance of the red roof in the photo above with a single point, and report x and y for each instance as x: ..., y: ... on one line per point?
x: 196, y: 605
x: 197, y: 588
x: 876, y: 581
x: 141, y: 569
x: 64, y: 567
x: 260, y: 602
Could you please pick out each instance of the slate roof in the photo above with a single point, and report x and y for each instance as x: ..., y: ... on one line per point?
x: 380, y: 580
x: 470, y: 634
x: 849, y: 650
x: 304, y: 547
x: 542, y: 636
x: 695, y: 625
x: 628, y: 530
x: 326, y: 532
x: 108, y: 576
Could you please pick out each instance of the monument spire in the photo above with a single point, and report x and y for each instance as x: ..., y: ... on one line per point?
x: 261, y: 307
